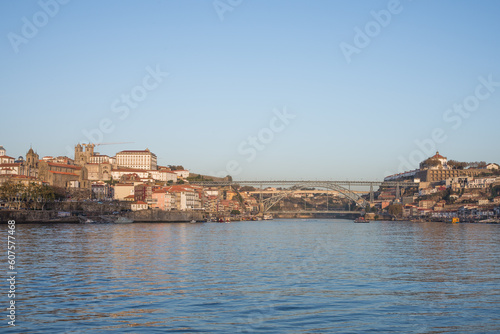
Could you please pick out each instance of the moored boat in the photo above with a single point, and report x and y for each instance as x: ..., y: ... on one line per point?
x: 361, y: 220
x: 123, y: 220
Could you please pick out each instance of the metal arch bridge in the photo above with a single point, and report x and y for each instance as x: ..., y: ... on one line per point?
x: 343, y: 187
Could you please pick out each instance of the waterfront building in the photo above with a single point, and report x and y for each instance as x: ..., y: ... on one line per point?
x: 143, y: 192
x: 101, y: 191
x: 186, y: 197
x: 138, y: 206
x: 163, y: 200
x: 138, y: 159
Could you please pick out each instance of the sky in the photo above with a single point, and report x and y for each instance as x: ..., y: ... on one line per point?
x: 261, y: 89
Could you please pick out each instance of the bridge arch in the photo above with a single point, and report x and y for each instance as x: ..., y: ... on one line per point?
x: 268, y: 203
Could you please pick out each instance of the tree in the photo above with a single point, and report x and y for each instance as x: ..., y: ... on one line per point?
x: 432, y: 162
x: 457, y: 164
x: 174, y: 167
x: 13, y: 194
x: 235, y: 212
x: 395, y: 209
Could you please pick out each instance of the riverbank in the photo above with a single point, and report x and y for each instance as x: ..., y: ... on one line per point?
x: 52, y: 216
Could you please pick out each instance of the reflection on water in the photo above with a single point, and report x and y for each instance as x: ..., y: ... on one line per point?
x: 278, y: 276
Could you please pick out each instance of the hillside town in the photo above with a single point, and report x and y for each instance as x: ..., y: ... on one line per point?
x: 441, y: 188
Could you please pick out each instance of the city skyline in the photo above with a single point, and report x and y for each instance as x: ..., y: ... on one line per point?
x: 256, y: 87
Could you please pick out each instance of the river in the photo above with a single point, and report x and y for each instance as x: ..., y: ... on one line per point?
x: 281, y: 276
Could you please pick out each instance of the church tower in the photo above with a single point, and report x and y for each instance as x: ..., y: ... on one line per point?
x: 31, y: 163
x: 83, y: 153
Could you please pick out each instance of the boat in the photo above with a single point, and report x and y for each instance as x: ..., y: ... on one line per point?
x: 123, y: 220
x: 455, y: 220
x: 267, y: 217
x: 361, y: 220
x: 489, y: 221
x: 193, y: 221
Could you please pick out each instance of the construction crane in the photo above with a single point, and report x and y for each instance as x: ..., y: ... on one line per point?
x: 119, y: 143
x: 99, y: 144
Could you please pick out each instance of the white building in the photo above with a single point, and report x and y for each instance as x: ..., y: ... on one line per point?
x: 163, y: 175
x: 139, y: 205
x: 144, y: 159
x: 99, y: 158
x: 5, y: 159
x: 116, y: 174
x: 492, y: 166
x: 182, y: 173
x: 186, y: 198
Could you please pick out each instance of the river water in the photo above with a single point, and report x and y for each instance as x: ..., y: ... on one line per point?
x: 281, y: 276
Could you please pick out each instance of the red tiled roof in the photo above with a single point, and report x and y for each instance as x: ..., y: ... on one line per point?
x: 438, y: 156
x: 140, y: 202
x: 16, y: 164
x: 135, y: 151
x: 179, y: 188
x: 6, y: 156
x: 23, y: 177
x: 54, y: 164
x: 126, y: 169
x: 62, y: 173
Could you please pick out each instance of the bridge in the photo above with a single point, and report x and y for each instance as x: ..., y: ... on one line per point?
x: 342, y: 187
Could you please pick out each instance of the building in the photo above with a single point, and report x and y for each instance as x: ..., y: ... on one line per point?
x: 30, y: 165
x: 437, y: 161
x: 123, y: 190
x: 163, y: 200
x: 492, y: 166
x: 137, y: 159
x: 118, y: 173
x: 143, y: 192
x: 63, y: 175
x: 163, y: 175
x: 102, y: 191
x: 436, y: 175
x: 83, y: 153
x: 186, y: 197
x: 99, y: 171
x: 426, y: 204
x: 182, y: 174
x: 11, y: 168
x: 137, y: 206
x: 5, y: 159
x: 99, y: 159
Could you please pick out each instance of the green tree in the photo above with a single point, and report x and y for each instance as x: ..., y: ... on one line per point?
x: 395, y: 209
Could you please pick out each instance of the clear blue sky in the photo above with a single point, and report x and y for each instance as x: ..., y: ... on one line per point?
x: 226, y: 78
